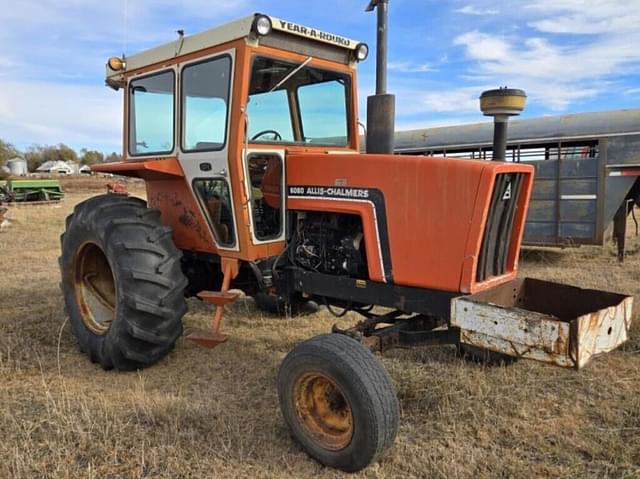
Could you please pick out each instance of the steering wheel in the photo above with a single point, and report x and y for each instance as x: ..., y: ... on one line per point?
x: 276, y: 135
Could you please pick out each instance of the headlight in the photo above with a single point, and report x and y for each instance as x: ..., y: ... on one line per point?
x: 116, y: 64
x: 362, y: 52
x: 262, y: 25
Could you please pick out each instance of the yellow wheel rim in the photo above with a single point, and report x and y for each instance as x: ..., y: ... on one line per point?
x: 95, y: 288
x: 323, y: 411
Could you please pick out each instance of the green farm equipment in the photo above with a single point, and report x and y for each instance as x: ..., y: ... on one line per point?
x: 19, y: 191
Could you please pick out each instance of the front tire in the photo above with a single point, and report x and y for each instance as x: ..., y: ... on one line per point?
x: 122, y: 282
x: 338, y: 401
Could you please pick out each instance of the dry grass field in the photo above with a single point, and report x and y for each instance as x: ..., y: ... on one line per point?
x: 214, y: 413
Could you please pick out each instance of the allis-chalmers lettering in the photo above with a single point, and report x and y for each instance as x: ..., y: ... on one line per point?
x: 329, y: 191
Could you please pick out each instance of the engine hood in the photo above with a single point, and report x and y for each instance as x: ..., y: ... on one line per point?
x: 424, y: 218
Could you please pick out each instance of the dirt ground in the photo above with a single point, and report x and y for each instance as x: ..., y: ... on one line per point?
x: 214, y: 413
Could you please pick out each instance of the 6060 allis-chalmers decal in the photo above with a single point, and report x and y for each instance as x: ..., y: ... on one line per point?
x: 372, y: 196
x: 330, y: 191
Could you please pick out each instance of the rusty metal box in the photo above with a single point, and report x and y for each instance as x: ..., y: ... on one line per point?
x: 545, y: 321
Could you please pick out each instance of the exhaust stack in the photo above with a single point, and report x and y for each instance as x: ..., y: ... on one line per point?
x: 381, y: 107
x: 501, y: 104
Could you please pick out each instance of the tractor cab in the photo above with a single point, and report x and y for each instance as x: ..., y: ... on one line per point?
x: 211, y: 117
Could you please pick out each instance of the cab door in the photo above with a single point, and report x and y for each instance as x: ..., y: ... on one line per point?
x: 265, y: 185
x: 205, y: 101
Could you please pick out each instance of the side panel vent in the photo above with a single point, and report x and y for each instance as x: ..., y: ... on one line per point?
x: 498, y: 232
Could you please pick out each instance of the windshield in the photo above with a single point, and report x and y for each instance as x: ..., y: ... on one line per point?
x: 293, y: 103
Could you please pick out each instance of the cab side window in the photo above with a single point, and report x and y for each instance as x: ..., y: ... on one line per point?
x: 205, y: 104
x: 151, y: 114
x: 265, y: 177
x: 215, y: 196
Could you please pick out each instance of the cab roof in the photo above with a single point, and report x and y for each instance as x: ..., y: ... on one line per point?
x: 243, y: 28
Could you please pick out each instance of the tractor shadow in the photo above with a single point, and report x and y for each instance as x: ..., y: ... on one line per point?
x: 541, y: 256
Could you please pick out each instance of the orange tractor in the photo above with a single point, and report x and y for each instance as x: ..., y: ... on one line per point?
x: 247, y: 137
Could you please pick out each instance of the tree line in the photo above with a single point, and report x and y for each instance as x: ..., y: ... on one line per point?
x: 36, y: 155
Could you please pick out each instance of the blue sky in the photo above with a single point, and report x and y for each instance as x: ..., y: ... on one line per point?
x: 569, y: 55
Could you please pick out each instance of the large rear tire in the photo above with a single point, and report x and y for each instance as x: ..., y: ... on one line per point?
x: 338, y: 401
x: 122, y: 282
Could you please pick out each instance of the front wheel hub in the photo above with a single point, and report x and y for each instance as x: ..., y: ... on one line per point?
x: 324, y: 411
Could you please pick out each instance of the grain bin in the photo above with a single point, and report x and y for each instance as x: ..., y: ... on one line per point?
x: 17, y: 167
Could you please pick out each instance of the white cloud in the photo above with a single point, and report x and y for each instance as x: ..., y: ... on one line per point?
x: 481, y: 46
x: 40, y: 112
x: 473, y: 10
x: 408, y: 67
x: 555, y: 75
x: 453, y: 100
x: 537, y: 58
x: 561, y: 52
x: 585, y: 17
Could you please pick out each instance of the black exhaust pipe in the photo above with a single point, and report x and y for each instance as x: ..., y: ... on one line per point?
x: 381, y: 107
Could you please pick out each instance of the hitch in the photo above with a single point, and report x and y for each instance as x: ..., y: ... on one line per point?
x: 399, y: 332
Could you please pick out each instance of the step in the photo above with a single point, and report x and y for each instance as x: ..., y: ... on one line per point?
x: 218, y: 298
x: 205, y: 339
